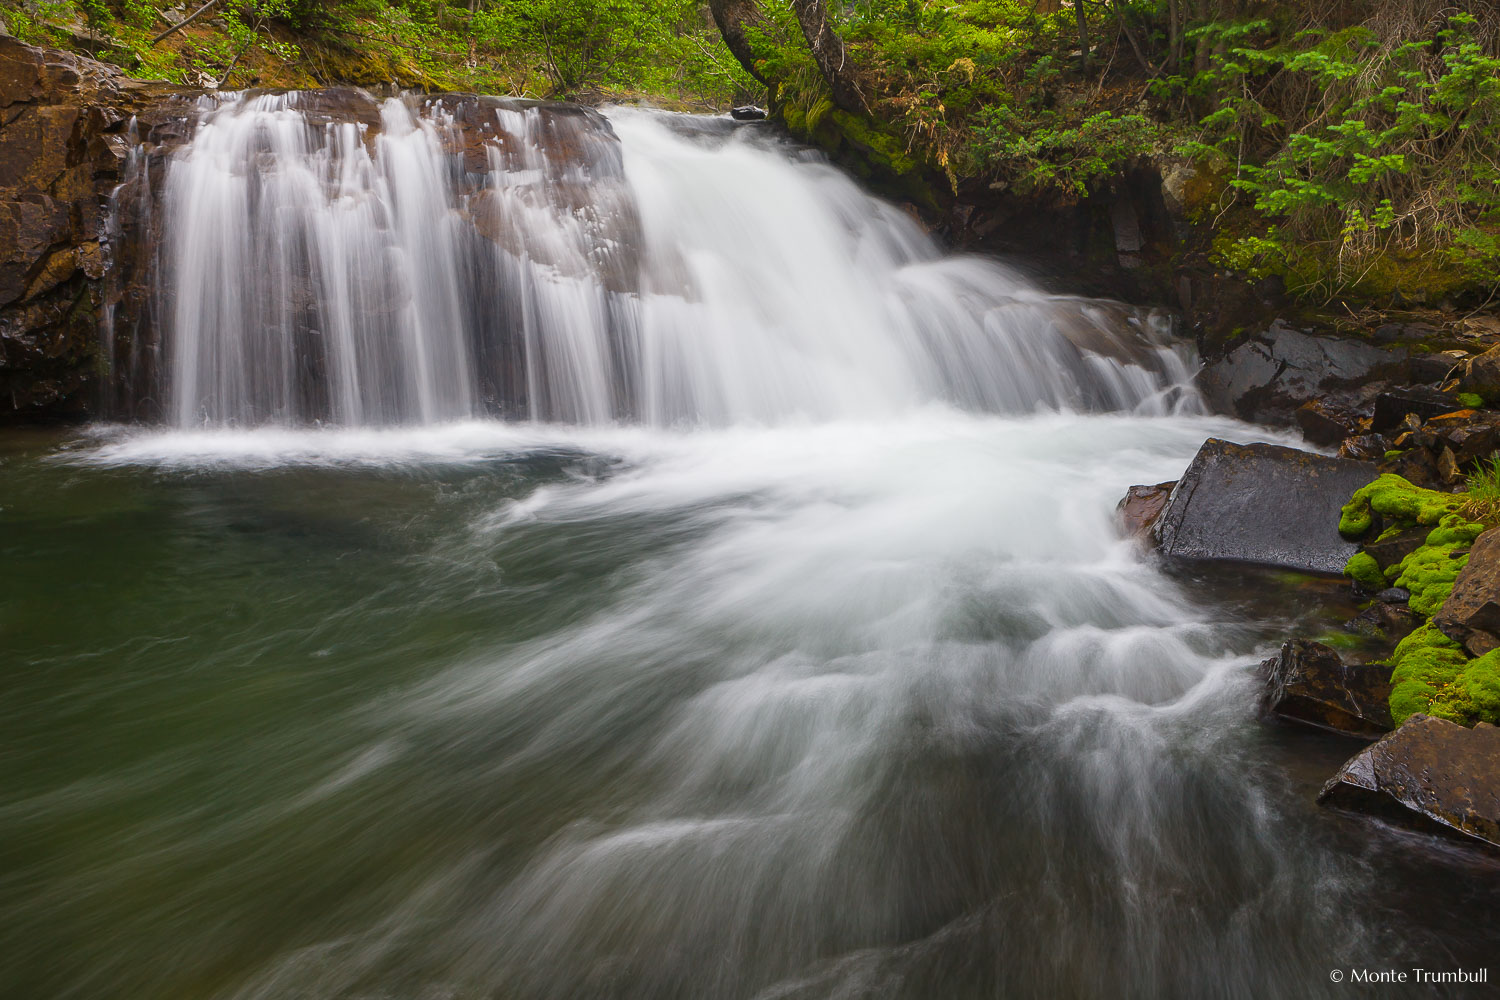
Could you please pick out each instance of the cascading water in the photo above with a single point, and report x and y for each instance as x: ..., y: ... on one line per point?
x: 791, y: 651
x: 406, y: 269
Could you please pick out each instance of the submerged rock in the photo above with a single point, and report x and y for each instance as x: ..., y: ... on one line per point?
x: 1262, y: 504
x: 1142, y: 505
x: 1428, y: 771
x: 1309, y: 682
x: 1471, y: 613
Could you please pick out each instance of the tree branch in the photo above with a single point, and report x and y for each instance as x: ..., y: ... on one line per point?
x: 185, y: 21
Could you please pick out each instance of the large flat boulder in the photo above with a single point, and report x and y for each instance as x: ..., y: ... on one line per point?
x: 1309, y: 683
x: 1263, y: 504
x: 1471, y: 613
x: 1428, y: 771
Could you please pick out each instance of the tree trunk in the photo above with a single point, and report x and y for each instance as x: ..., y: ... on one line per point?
x: 732, y: 16
x: 828, y: 50
x: 1174, y: 35
x: 1083, y: 36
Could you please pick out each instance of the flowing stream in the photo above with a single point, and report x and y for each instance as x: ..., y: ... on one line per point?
x: 702, y: 588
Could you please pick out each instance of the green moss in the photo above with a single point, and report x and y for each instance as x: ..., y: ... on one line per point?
x: 882, y: 146
x: 1476, y: 693
x: 1394, y: 498
x: 815, y: 113
x: 1472, y: 400
x: 1429, y: 573
x: 1365, y: 571
x: 1432, y: 674
x: 1423, y: 665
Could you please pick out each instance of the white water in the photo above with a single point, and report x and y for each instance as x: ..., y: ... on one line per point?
x: 359, y: 276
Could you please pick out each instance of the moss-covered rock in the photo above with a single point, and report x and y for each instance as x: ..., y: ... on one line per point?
x: 1430, y: 672
x: 1365, y: 571
x: 1433, y: 675
x: 1396, y: 500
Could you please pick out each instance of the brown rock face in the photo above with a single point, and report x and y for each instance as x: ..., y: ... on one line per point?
x: 1142, y: 506
x: 1471, y: 614
x: 62, y: 151
x: 1310, y: 683
x: 1428, y: 771
x: 1481, y: 374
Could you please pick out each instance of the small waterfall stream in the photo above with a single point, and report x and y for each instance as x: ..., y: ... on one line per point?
x: 433, y: 263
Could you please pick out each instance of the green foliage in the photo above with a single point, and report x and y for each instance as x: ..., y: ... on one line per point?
x: 1041, y: 153
x: 1481, y: 498
x: 1358, y: 144
x: 667, y: 49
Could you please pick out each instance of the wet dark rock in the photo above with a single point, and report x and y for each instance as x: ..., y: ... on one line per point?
x: 1142, y: 505
x: 1471, y: 614
x: 1309, y: 682
x: 1328, y: 422
x: 1431, y: 369
x: 1364, y: 447
x: 1268, y: 377
x: 1416, y: 466
x: 1430, y: 771
x: 1394, y: 595
x: 1263, y: 504
x: 1472, y: 434
x: 748, y: 113
x: 1387, y: 622
x: 1481, y: 374
x: 1391, y: 407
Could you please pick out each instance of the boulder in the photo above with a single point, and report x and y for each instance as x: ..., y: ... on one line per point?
x: 1263, y: 504
x: 1309, y: 683
x: 1471, y: 614
x: 748, y: 113
x: 1364, y: 447
x: 1141, y: 507
x: 1328, y: 422
x: 1266, y: 378
x: 1392, y: 406
x: 1481, y: 374
x: 1387, y: 620
x: 1430, y: 771
x: 1430, y: 369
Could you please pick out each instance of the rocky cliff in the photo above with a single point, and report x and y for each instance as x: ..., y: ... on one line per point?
x: 64, y: 143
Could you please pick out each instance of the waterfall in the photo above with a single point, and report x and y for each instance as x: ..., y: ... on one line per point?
x: 329, y: 259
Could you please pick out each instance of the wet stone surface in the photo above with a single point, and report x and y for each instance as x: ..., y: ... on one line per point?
x: 1430, y: 771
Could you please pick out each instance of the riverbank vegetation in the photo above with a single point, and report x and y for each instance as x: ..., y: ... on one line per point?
x: 666, y: 51
x: 1350, y: 150
x: 1347, y: 149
